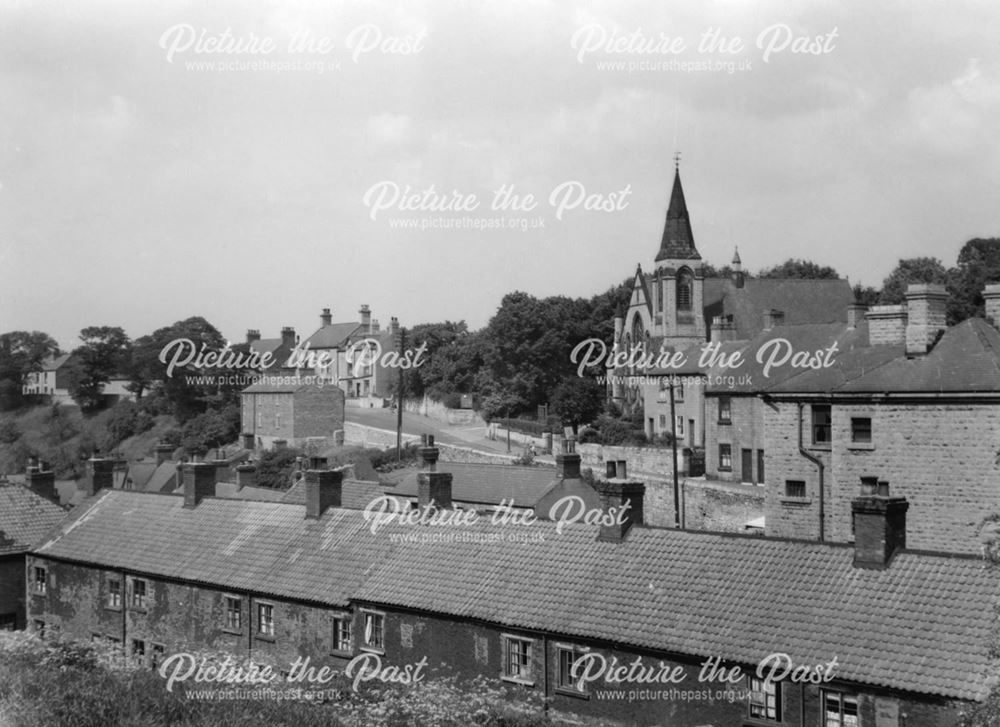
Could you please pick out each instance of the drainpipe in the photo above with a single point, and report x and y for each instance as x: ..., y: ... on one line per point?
x: 819, y: 467
x: 545, y: 673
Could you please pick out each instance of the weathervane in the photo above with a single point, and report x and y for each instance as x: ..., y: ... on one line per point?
x: 677, y: 160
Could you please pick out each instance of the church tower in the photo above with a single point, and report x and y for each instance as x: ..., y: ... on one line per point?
x: 678, y: 279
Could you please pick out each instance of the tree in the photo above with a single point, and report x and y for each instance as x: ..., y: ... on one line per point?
x: 21, y: 352
x: 909, y: 271
x: 439, y: 339
x: 866, y: 295
x: 578, y: 401
x: 978, y: 264
x: 105, y: 353
x: 795, y: 268
x: 211, y: 429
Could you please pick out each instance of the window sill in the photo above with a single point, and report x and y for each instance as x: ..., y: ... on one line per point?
x: 374, y: 650
x: 569, y: 692
x: 116, y: 609
x: 138, y: 609
x: 517, y: 680
x: 796, y: 501
x: 234, y: 632
x: 265, y: 637
x: 725, y: 469
x: 342, y: 654
x: 722, y: 423
x: 862, y: 446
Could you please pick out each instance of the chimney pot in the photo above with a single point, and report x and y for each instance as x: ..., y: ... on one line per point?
x: 325, y: 318
x: 324, y: 489
x: 253, y: 335
x: 428, y: 452
x: 42, y: 481
x: 199, y: 482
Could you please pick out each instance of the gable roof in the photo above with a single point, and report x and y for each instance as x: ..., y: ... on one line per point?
x: 53, y: 363
x: 355, y: 494
x: 700, y: 594
x: 332, y: 336
x: 488, y: 484
x: 25, y: 516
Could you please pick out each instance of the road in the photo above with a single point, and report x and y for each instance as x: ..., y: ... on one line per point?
x: 462, y: 435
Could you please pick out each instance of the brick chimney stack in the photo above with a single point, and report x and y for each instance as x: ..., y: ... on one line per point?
x: 428, y: 452
x: 886, y: 324
x: 616, y: 494
x: 42, y: 480
x: 433, y: 487
x: 246, y: 476
x: 366, y: 317
x: 925, y: 307
x: 879, y: 525
x: 288, y: 337
x: 199, y: 482
x: 100, y: 475
x: 991, y: 296
x: 164, y: 452
x: 324, y: 489
x: 325, y: 318
x: 253, y: 335
x: 568, y: 461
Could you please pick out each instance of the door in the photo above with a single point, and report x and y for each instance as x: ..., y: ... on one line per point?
x: 747, y: 466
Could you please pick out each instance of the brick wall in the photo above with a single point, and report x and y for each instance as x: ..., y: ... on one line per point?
x: 319, y: 411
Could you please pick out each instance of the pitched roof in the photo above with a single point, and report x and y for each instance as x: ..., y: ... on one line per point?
x: 52, y: 363
x: 678, y: 240
x: 279, y: 385
x: 488, y: 484
x: 25, y: 516
x: 700, y: 594
x: 332, y: 336
x: 355, y: 494
x: 265, y: 547
x: 802, y: 301
x: 965, y: 359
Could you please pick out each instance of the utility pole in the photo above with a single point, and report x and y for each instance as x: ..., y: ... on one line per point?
x: 399, y: 400
x: 673, y: 445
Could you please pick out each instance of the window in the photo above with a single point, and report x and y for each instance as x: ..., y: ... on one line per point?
x: 795, y: 488
x: 265, y: 619
x: 38, y: 626
x: 821, y: 424
x: 725, y: 410
x: 680, y: 426
x: 726, y: 457
x: 138, y: 651
x: 840, y: 710
x: 678, y: 392
x: 234, y: 614
x: 139, y: 591
x: 861, y: 430
x: 765, y: 700
x: 156, y: 657
x: 567, y: 656
x: 374, y: 636
x: 114, y: 594
x: 663, y: 421
x: 684, y: 285
x: 8, y: 621
x: 342, y: 633
x: 40, y: 582
x: 517, y: 659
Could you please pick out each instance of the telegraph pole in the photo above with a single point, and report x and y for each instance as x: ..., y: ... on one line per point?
x: 673, y: 445
x: 399, y: 400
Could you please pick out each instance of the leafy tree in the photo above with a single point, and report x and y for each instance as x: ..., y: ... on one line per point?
x: 908, y: 271
x: 795, y: 268
x: 21, y: 352
x: 978, y: 264
x: 211, y: 429
x: 105, y: 353
x: 274, y: 469
x: 866, y: 295
x: 439, y: 338
x: 578, y: 400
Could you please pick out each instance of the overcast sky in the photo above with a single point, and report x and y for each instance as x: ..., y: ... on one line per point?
x: 139, y: 185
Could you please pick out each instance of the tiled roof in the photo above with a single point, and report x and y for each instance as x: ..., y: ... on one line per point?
x: 264, y: 547
x: 802, y: 301
x: 678, y: 240
x: 355, y: 494
x: 25, y: 516
x: 714, y: 595
x: 332, y: 336
x: 965, y: 359
x: 488, y: 484
x: 284, y: 385
x: 923, y: 624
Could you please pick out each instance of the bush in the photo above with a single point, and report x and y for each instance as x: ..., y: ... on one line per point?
x: 9, y: 433
x: 274, y: 469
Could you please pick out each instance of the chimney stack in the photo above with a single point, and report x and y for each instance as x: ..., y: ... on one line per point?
x: 253, y: 335
x: 324, y: 489
x: 722, y: 329
x: 221, y: 465
x: 199, y: 482
x: 375, y: 325
x: 991, y: 297
x: 773, y: 318
x: 879, y: 524
x: 568, y: 461
x: 164, y: 452
x: 100, y: 475
x: 42, y: 480
x: 325, y: 318
x: 855, y: 314
x: 434, y: 488
x: 366, y: 316
x: 428, y: 452
x: 925, y: 308
x: 246, y: 476
x: 618, y: 494
x: 738, y: 277
x: 288, y: 336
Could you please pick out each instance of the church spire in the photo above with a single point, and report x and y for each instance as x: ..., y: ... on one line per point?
x: 678, y: 240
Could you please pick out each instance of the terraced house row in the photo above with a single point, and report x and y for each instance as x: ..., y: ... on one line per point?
x: 520, y: 604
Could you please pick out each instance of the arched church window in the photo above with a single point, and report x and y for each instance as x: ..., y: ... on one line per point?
x: 685, y: 284
x: 637, y: 333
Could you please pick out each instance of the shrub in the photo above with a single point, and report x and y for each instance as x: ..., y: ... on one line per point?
x: 274, y: 469
x: 9, y: 433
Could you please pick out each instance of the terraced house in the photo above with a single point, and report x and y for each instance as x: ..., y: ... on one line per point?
x: 878, y: 622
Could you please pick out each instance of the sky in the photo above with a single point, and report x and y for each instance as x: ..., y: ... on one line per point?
x: 253, y: 163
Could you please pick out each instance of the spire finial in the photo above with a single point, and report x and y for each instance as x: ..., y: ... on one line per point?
x: 677, y: 160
